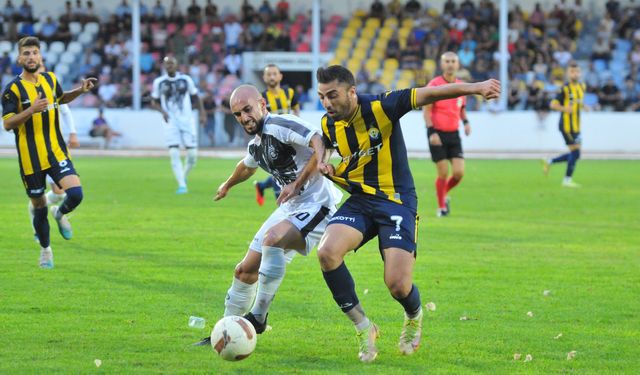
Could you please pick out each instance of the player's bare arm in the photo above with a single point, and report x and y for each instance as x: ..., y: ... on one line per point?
x: 16, y: 120
x: 465, y: 121
x: 325, y: 167
x: 156, y: 105
x: 433, y: 136
x: 85, y: 86
x: 240, y: 174
x: 489, y: 89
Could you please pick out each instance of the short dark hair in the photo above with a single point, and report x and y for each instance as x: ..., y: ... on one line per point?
x: 272, y: 65
x: 573, y: 64
x: 335, y: 72
x: 29, y: 41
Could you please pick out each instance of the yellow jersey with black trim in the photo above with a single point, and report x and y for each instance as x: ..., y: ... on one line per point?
x: 571, y: 95
x: 283, y: 101
x: 39, y: 140
x: 371, y: 145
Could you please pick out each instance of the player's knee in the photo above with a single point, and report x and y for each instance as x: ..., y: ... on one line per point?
x: 398, y: 287
x: 576, y: 153
x: 74, y: 195
x: 272, y: 238
x: 39, y: 202
x: 328, y: 256
x: 457, y: 175
x: 246, y: 273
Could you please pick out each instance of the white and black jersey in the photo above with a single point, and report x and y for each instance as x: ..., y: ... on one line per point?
x: 174, y: 94
x: 283, y: 150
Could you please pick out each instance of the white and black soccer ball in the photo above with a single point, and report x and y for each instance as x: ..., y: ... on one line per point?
x: 233, y: 338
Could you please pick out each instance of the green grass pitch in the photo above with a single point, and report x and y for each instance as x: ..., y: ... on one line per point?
x: 143, y: 260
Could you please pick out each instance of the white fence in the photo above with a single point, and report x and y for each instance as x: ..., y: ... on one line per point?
x: 510, y: 132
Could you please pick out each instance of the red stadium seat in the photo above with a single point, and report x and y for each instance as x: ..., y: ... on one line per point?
x: 189, y: 29
x: 303, y: 47
x: 171, y: 28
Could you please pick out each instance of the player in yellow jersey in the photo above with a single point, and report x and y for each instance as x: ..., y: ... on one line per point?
x: 569, y: 101
x: 365, y: 131
x: 280, y: 100
x: 30, y: 108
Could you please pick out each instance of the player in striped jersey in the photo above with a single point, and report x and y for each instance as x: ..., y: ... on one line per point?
x: 569, y: 102
x: 30, y: 108
x: 280, y: 100
x: 365, y: 131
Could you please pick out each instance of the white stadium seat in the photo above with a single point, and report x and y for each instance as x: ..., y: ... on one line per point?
x: 61, y: 70
x: 75, y: 47
x: 57, y: 47
x: 5, y: 46
x: 51, y: 58
x: 92, y: 27
x: 68, y: 58
x: 85, y: 38
x: 75, y: 28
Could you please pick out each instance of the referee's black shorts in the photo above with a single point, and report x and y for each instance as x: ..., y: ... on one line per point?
x: 451, y: 147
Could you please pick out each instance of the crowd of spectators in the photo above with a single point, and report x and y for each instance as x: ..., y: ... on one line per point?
x: 208, y: 45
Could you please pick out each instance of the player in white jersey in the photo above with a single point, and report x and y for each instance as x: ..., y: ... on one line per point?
x: 173, y: 94
x: 56, y: 194
x: 290, y: 150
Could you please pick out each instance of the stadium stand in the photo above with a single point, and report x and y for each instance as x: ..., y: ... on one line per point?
x: 390, y: 45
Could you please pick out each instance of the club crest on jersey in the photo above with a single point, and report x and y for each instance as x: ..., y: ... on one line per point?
x: 374, y: 133
x: 459, y: 102
x: 273, y: 153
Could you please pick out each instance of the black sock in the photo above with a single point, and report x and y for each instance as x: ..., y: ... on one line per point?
x: 41, y: 225
x: 342, y: 287
x: 411, y: 302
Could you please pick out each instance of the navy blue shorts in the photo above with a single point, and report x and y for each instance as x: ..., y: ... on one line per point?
x: 395, y: 225
x: 571, y: 138
x: 36, y: 183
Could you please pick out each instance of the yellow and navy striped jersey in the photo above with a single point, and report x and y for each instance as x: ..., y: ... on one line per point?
x: 572, y: 95
x: 282, y: 102
x: 374, y: 156
x: 38, y: 140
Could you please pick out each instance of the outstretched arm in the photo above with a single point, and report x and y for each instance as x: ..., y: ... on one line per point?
x: 240, y: 174
x: 86, y: 86
x: 489, y: 89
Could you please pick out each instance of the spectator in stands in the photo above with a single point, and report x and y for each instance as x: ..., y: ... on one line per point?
x: 210, y: 12
x: 175, y: 13
x: 112, y: 51
x: 91, y: 13
x: 5, y: 62
x: 631, y: 95
x: 394, y: 9
x: 63, y: 34
x: 466, y: 57
x: 146, y: 59
x: 282, y: 10
x: 123, y: 10
x: 209, y: 105
x: 247, y: 11
x: 536, y: 19
x: 232, y: 31
x: 107, y: 91
x: 516, y: 94
x: 25, y: 13
x: 100, y: 128
x: 283, y: 41
x: 177, y: 45
x: 158, y: 12
x: 410, y: 56
x: 124, y: 95
x: 601, y: 50
x: 145, y: 14
x: 610, y: 97
x: 377, y: 10
x: 48, y: 30
x: 233, y: 62
x: 10, y: 11
x: 303, y: 96
x: 393, y: 47
x: 412, y: 8
x: 80, y: 12
x: 265, y: 11
x: 194, y: 13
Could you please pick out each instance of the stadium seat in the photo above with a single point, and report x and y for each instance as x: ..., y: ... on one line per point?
x: 61, y: 70
x: 75, y: 28
x: 68, y: 58
x: 372, y: 23
x: 391, y: 64
x: 354, y: 23
x: 368, y: 33
x: 429, y: 66
x: 349, y: 33
x: 303, y: 47
x: 171, y: 28
x: 92, y: 27
x: 37, y: 27
x: 359, y: 53
x: 85, y: 38
x: 57, y: 47
x: 363, y: 44
x: 51, y: 58
x: 391, y: 22
x: 5, y: 46
x: 385, y: 33
x: 75, y: 47
x: 189, y: 29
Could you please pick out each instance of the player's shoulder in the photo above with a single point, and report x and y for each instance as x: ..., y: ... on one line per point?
x: 437, y: 81
x: 9, y: 86
x: 161, y: 78
x: 287, y: 122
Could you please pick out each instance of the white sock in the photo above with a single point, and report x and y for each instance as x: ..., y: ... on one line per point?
x: 176, y: 165
x: 272, y: 268
x: 239, y: 298
x: 31, y: 214
x: 567, y: 179
x: 53, y: 198
x: 192, y: 156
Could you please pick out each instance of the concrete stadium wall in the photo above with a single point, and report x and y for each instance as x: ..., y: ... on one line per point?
x: 510, y: 132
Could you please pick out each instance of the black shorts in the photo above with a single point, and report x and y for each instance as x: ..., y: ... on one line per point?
x: 571, y: 138
x: 395, y: 225
x: 451, y: 147
x: 36, y: 183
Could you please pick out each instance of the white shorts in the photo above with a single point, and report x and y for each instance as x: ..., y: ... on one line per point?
x: 177, y: 134
x: 310, y: 218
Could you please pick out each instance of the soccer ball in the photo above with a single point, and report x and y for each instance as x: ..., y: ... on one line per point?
x: 233, y: 338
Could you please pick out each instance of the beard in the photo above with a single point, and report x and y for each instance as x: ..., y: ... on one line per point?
x: 259, y: 126
x: 31, y: 70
